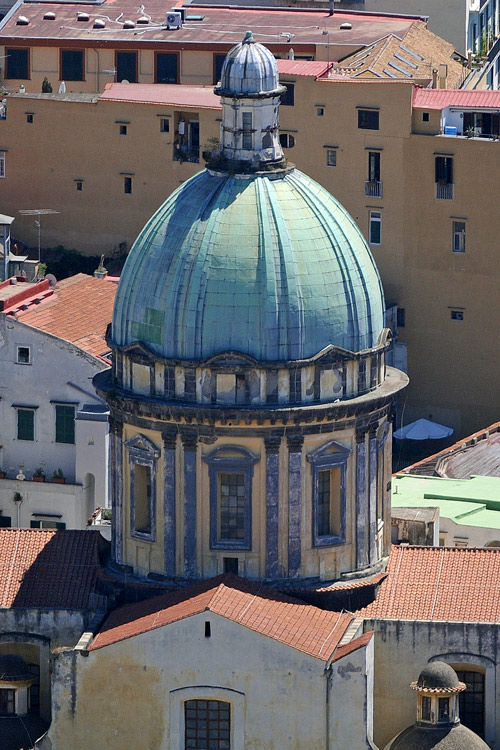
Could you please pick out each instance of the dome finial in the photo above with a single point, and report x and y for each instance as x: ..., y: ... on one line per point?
x: 248, y: 38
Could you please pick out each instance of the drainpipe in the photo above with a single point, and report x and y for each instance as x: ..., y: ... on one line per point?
x: 328, y: 675
x: 97, y: 71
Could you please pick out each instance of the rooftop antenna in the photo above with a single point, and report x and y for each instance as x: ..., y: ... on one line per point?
x: 38, y: 212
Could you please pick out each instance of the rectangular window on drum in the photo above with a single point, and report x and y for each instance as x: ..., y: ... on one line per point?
x: 232, y: 505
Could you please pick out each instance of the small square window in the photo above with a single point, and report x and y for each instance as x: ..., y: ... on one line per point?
x: 425, y: 117
x: 320, y: 111
x: 287, y: 140
x: 23, y: 355
x: 331, y: 158
x: 127, y: 185
x: 164, y: 125
x: 288, y: 97
x: 2, y: 163
x: 29, y: 118
x: 457, y: 314
x: 123, y: 130
x: 79, y: 185
x: 368, y: 119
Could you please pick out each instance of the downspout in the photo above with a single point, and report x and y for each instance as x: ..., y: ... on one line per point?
x: 97, y: 71
x: 328, y: 675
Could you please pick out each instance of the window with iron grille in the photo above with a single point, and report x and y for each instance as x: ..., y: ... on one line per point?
x: 328, y: 506
x: 232, y: 505
x: 65, y: 423
x: 331, y: 158
x: 230, y: 474
x: 471, y: 701
x: 2, y: 163
x: 207, y: 725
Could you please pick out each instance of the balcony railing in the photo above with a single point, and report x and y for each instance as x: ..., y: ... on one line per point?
x: 444, y: 191
x: 373, y: 188
x: 186, y: 154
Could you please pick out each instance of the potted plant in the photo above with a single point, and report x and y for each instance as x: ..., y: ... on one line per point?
x: 39, y: 475
x: 58, y: 477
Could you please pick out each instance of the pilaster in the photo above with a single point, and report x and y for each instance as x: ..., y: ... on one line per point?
x: 272, y: 445
x: 295, y: 442
x: 169, y: 445
x: 190, y: 443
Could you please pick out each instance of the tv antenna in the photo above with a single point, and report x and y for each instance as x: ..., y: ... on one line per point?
x: 38, y: 212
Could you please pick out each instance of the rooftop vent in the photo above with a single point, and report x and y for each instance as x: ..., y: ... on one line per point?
x: 49, y: 16
x: 22, y: 21
x: 345, y: 26
x: 128, y: 24
x: 143, y: 20
x: 82, y: 16
x: 99, y: 23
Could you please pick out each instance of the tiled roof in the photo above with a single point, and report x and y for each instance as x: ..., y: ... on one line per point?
x: 301, y: 626
x: 477, y: 454
x: 439, y: 583
x: 79, y: 311
x: 312, y: 68
x: 219, y: 27
x: 442, y: 98
x: 201, y: 97
x: 43, y: 569
x: 410, y: 58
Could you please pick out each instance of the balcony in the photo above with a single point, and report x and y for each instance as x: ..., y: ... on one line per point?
x: 444, y: 191
x: 373, y: 188
x: 182, y: 153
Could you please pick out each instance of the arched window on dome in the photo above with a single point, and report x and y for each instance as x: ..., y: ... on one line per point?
x: 143, y: 457
x: 328, y: 475
x: 230, y: 480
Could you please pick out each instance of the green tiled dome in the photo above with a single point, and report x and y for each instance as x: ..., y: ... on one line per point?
x: 271, y: 266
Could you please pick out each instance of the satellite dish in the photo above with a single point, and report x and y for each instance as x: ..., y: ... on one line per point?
x: 51, y: 279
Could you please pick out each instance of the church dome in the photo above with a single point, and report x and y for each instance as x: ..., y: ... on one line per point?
x: 456, y: 737
x: 269, y: 265
x: 249, y: 69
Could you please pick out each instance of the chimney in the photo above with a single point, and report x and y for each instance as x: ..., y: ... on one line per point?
x: 434, y: 78
x: 331, y: 6
x: 443, y: 76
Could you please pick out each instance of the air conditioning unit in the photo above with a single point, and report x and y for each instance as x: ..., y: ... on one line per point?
x: 174, y: 20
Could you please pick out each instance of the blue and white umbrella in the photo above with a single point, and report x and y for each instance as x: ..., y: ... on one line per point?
x: 423, y: 429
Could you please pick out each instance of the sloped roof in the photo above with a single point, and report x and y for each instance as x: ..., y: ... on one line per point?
x: 439, y: 583
x: 47, y: 569
x: 477, y: 454
x: 178, y: 95
x: 410, y: 58
x: 442, y: 98
x: 310, y: 68
x: 301, y: 626
x: 219, y: 27
x: 79, y: 311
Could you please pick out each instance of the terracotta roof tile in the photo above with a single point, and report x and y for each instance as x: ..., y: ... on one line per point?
x: 79, y: 311
x: 290, y: 621
x: 47, y: 568
x: 412, y: 58
x: 439, y: 583
x: 442, y: 98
